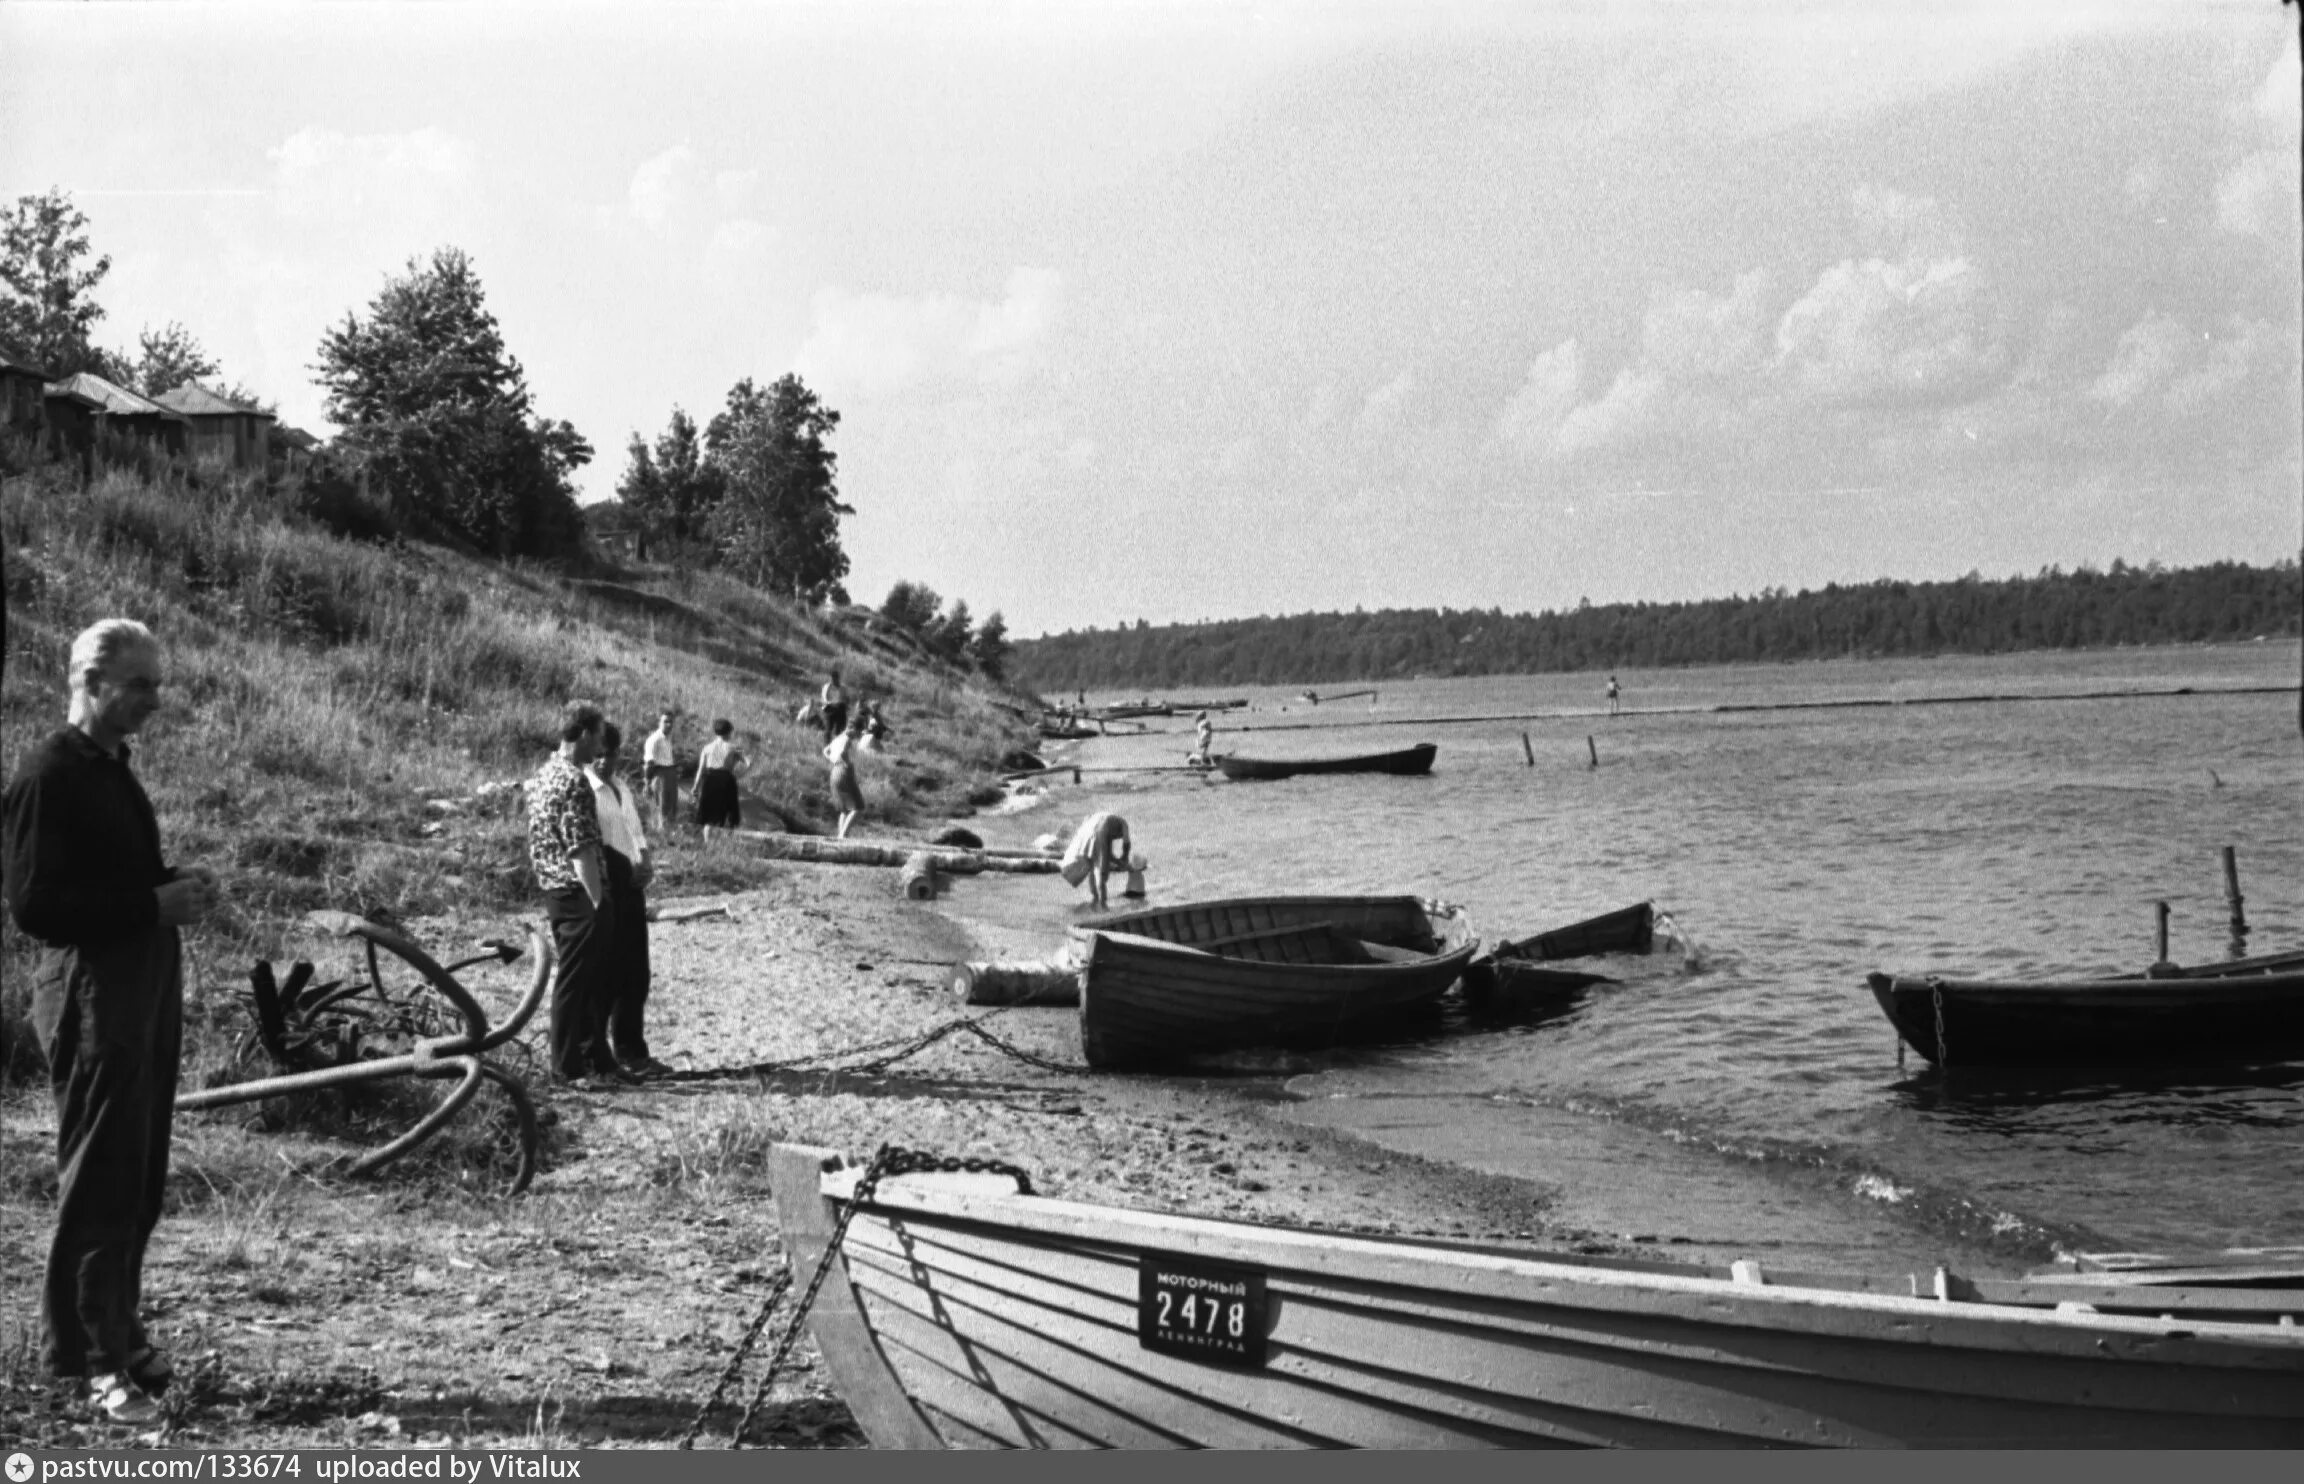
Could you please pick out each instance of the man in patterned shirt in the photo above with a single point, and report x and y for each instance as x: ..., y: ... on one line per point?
x: 565, y: 850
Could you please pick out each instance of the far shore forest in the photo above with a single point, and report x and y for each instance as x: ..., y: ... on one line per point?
x: 2220, y: 602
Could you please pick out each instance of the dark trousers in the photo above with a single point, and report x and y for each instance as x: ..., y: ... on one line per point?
x: 112, y: 1022
x: 628, y: 986
x: 584, y: 938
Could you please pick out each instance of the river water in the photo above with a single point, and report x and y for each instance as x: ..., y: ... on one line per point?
x: 1796, y: 849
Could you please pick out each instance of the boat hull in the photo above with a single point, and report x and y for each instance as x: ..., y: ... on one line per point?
x: 1161, y: 985
x: 958, y: 1314
x: 1407, y: 762
x: 2209, y: 1017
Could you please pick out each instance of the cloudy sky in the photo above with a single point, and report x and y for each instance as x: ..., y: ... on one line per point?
x: 1200, y: 310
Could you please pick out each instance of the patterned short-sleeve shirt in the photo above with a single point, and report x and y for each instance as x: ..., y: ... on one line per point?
x: 561, y: 822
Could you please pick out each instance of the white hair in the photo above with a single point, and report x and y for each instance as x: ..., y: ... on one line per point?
x: 103, y: 642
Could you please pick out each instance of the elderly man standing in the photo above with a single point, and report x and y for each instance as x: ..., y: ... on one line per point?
x: 564, y: 848
x: 85, y: 877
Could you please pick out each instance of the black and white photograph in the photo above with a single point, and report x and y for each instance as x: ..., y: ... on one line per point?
x: 1250, y: 724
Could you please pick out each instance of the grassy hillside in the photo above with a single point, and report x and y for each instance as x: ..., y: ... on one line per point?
x: 328, y: 683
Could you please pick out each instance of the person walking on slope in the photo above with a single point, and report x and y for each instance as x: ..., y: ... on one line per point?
x: 840, y: 752
x: 717, y: 769
x: 631, y: 864
x: 832, y: 707
x: 80, y: 850
x: 565, y: 850
x: 660, y: 773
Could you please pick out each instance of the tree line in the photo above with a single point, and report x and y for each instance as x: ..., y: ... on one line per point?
x: 439, y: 424
x: 2052, y: 609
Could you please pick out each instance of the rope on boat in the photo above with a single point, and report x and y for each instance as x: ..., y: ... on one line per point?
x: 1943, y: 1047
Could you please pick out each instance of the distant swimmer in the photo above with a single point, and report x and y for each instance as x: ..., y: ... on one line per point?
x: 1615, y: 696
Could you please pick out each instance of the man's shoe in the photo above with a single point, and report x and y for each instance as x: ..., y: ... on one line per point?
x: 612, y: 1075
x: 121, y: 1400
x: 150, y: 1369
x: 647, y: 1069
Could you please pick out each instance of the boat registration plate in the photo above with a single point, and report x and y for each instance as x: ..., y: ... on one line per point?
x: 1201, y: 1311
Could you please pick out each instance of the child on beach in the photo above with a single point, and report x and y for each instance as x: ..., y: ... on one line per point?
x: 1100, y: 847
x: 840, y: 752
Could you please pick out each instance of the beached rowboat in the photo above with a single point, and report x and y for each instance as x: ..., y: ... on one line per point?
x: 1165, y: 983
x: 961, y: 1314
x: 2248, y: 1012
x: 1408, y: 760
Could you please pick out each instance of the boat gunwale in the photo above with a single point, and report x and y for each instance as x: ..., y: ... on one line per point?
x: 1477, y: 1275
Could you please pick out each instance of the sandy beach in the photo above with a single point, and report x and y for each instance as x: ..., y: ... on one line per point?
x: 600, y: 1308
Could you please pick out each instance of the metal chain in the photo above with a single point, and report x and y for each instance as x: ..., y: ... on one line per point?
x: 889, y: 1160
x: 728, y: 1372
x: 1943, y: 1047
x: 897, y: 1048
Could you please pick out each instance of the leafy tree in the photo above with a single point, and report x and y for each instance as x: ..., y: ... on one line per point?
x: 47, y: 284
x: 670, y: 489
x: 777, y: 521
x: 990, y: 648
x: 912, y: 606
x: 167, y: 358
x: 950, y: 635
x: 429, y: 396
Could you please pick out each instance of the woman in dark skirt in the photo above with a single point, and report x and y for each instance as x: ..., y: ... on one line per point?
x: 717, y: 769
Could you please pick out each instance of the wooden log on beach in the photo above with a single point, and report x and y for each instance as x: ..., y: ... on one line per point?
x: 829, y: 852
x: 1028, y: 983
x: 917, y: 879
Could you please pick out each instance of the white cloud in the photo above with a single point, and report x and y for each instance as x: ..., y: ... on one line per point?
x: 1916, y: 327
x: 2147, y: 355
x: 2161, y: 366
x: 418, y: 180
x: 1628, y: 408
x: 872, y: 343
x: 663, y: 187
x: 1531, y: 419
x: 2258, y: 194
x: 1383, y: 410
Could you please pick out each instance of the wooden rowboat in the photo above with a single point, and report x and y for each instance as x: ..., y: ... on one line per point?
x: 960, y: 1314
x: 2247, y: 1012
x: 1408, y: 760
x: 1163, y: 984
x: 1626, y: 930
x: 1514, y: 970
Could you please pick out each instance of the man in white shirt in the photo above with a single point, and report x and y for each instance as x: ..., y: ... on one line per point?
x: 660, y: 773
x: 630, y: 865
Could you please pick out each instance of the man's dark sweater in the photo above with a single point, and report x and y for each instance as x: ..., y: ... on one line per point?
x: 79, y: 845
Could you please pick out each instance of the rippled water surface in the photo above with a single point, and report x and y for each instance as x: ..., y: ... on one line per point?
x: 1799, y: 849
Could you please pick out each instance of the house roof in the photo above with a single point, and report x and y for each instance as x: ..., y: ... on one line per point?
x: 115, y: 399
x: 294, y: 437
x: 194, y: 400
x: 11, y: 361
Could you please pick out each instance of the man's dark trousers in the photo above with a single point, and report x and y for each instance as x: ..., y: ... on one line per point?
x: 584, y: 938
x: 626, y: 1006
x: 112, y: 1022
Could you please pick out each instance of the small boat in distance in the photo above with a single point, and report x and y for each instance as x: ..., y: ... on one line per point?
x: 959, y: 1313
x: 1160, y: 985
x: 1405, y: 762
x: 2247, y: 1012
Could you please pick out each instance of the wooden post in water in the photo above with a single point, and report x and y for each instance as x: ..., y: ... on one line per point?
x: 1592, y: 747
x: 2161, y: 935
x: 1528, y: 749
x: 2232, y: 893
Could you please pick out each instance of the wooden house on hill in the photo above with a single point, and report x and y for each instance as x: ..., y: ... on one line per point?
x: 86, y: 408
x: 22, y: 389
x: 220, y: 429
